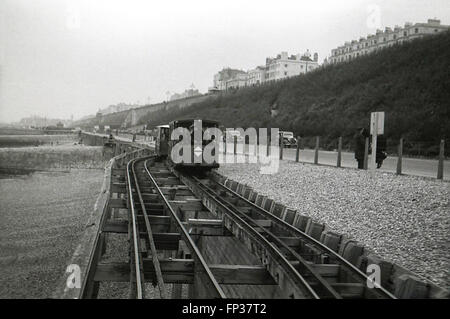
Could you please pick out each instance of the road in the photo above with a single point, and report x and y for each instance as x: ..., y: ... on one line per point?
x: 410, y: 166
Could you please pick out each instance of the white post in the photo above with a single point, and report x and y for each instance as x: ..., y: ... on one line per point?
x: 376, y: 127
x: 373, y: 159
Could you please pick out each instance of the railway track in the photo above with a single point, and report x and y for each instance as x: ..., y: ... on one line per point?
x: 196, y: 236
x: 150, y: 208
x: 327, y: 273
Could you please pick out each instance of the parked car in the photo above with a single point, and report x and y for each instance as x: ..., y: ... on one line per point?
x: 286, y: 134
x: 289, y: 141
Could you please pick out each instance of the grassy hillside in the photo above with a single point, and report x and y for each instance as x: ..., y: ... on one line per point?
x: 410, y: 82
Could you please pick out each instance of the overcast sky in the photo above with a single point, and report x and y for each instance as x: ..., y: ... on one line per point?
x: 60, y: 58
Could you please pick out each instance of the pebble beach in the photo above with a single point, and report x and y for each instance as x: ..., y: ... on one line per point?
x: 404, y: 219
x: 42, y: 218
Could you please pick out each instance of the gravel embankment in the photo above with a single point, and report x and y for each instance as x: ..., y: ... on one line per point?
x: 404, y: 219
x: 41, y: 221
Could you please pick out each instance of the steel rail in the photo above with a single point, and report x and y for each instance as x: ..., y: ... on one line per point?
x: 326, y: 287
x: 139, y: 274
x: 278, y: 257
x: 350, y: 268
x: 155, y: 260
x: 212, y: 283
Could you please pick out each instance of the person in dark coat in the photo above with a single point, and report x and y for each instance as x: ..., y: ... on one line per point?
x: 381, y: 150
x: 359, y: 145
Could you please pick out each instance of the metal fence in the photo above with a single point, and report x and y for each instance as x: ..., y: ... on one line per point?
x: 411, y: 148
x: 403, y: 155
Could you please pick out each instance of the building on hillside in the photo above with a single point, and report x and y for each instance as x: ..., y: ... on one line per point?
x: 256, y: 76
x: 192, y: 91
x: 227, y: 74
x: 277, y: 68
x: 284, y: 66
x: 237, y: 82
x: 383, y: 39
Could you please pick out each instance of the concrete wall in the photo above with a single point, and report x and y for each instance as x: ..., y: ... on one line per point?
x: 120, y: 145
x: 91, y: 154
x: 35, y: 140
x: 19, y: 131
x: 133, y: 116
x: 92, y: 139
x: 136, y: 114
x: 52, y: 158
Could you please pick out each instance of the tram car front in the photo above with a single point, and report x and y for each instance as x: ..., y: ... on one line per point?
x: 196, y: 158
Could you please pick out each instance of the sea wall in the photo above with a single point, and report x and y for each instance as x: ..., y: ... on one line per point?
x: 36, y: 140
x: 53, y: 158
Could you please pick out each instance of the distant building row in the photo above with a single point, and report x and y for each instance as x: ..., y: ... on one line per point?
x: 40, y: 122
x: 192, y: 91
x: 281, y: 67
x: 381, y: 40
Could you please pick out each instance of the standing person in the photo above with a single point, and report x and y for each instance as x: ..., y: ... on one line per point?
x: 381, y: 150
x: 359, y: 145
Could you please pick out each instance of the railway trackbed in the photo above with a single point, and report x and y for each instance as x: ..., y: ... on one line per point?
x: 195, y: 236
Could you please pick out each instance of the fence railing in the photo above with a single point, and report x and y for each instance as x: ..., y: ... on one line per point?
x: 411, y: 148
x: 395, y: 149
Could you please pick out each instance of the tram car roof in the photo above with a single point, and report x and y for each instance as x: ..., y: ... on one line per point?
x: 186, y: 121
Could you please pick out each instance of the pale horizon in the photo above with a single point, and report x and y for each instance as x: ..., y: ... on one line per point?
x: 63, y: 58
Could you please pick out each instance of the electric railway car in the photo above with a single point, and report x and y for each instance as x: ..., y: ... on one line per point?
x: 195, y: 159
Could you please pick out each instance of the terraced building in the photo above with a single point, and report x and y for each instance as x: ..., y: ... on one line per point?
x: 381, y: 40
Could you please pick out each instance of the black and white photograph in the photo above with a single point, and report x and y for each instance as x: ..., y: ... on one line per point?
x: 226, y: 154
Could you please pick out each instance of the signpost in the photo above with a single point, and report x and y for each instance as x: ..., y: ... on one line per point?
x: 376, y: 128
